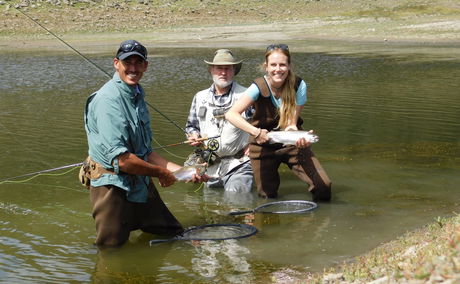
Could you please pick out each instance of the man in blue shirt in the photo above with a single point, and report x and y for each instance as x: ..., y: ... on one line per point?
x: 121, y: 162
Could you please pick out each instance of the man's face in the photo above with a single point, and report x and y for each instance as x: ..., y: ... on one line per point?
x: 131, y: 69
x: 222, y: 75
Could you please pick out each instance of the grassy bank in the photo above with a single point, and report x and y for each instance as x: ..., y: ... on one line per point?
x: 428, y: 255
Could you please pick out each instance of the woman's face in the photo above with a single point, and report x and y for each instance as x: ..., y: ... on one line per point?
x: 277, y: 68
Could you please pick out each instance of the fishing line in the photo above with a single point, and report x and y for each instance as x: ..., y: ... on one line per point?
x: 95, y: 65
x: 41, y: 173
x: 109, y: 76
x: 13, y: 137
x: 77, y: 165
x: 59, y: 187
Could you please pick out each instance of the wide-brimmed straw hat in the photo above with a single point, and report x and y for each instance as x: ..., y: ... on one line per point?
x: 225, y: 57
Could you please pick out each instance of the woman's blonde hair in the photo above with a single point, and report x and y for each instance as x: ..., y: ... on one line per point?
x: 288, y: 93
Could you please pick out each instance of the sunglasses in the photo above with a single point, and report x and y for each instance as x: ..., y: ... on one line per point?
x: 129, y: 47
x: 277, y: 46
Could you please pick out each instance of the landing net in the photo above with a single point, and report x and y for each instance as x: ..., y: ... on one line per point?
x: 214, y: 232
x: 282, y: 207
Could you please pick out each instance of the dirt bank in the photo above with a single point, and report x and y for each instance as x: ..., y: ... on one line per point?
x: 99, y: 24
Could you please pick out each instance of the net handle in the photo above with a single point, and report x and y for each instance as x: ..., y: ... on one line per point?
x: 153, y: 242
x: 240, y: 212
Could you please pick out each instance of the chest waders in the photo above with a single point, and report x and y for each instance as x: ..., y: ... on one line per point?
x: 266, y: 158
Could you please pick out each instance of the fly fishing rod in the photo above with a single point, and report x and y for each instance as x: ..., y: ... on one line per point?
x: 94, y: 64
x: 185, y: 142
x: 81, y: 163
x: 108, y: 75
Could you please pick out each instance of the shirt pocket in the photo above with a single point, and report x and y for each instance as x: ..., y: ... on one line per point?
x: 146, y: 132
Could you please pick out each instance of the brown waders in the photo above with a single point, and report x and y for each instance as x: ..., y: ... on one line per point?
x: 116, y: 217
x: 267, y: 158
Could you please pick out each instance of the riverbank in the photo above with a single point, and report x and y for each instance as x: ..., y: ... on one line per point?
x: 428, y: 255
x: 345, y: 26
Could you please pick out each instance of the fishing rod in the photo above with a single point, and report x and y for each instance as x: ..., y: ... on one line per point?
x: 185, y: 142
x: 94, y: 64
x: 81, y: 163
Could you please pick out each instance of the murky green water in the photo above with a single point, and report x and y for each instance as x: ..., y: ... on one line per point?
x: 389, y: 130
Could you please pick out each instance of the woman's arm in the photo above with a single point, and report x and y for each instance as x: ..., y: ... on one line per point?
x: 234, y: 116
x: 293, y: 124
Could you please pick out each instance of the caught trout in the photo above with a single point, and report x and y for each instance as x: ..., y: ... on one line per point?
x: 186, y: 173
x: 291, y: 137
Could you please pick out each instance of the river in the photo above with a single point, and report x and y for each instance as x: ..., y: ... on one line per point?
x: 389, y: 129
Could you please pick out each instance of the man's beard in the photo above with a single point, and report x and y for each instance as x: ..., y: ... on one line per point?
x: 222, y: 84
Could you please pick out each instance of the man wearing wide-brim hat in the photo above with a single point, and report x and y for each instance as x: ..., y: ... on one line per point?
x: 230, y: 167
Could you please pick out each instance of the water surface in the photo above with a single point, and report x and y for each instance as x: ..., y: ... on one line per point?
x: 389, y: 140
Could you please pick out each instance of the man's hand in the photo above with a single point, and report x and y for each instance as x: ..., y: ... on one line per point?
x: 193, y: 139
x: 166, y: 178
x: 197, y: 178
x: 200, y: 177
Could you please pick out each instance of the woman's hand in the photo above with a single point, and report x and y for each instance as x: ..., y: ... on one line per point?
x: 303, y: 143
x: 291, y: 128
x: 262, y: 136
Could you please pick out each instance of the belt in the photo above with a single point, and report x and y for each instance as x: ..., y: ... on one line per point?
x: 94, y: 170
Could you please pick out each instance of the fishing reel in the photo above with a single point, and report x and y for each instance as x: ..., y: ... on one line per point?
x: 204, y: 154
x: 213, y: 145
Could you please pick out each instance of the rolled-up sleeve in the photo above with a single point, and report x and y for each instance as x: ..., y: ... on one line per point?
x: 109, y: 134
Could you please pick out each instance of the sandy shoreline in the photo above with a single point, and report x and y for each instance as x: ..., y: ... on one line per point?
x: 436, y: 35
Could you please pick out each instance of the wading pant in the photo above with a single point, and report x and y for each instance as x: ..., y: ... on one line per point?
x: 266, y: 159
x: 239, y: 179
x: 116, y: 217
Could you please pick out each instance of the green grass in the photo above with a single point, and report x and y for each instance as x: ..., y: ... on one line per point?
x: 430, y: 254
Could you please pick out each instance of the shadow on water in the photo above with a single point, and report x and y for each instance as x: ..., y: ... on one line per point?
x: 389, y: 139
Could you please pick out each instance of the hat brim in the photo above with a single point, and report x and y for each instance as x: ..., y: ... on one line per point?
x: 237, y: 64
x: 128, y: 54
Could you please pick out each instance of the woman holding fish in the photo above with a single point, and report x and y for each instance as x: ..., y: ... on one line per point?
x: 278, y: 98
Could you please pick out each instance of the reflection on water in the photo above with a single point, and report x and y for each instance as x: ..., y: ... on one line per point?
x: 389, y: 139
x: 224, y: 260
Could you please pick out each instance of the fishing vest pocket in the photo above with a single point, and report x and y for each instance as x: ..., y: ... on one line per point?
x: 91, y: 170
x: 84, y: 175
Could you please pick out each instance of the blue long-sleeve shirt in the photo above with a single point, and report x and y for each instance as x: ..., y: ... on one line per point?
x: 117, y: 121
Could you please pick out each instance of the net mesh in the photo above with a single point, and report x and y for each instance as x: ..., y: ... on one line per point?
x: 289, y: 206
x: 219, y: 232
